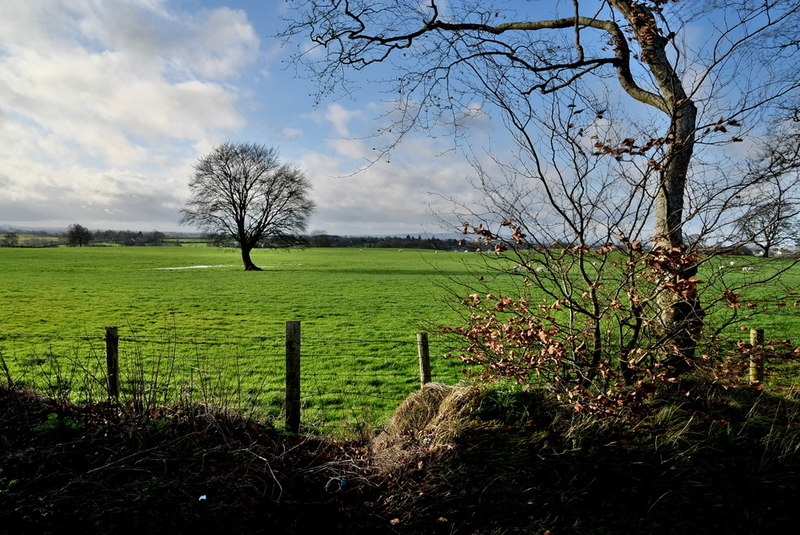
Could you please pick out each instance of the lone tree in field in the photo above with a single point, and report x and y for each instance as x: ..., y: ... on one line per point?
x: 241, y: 191
x: 78, y: 235
x: 770, y: 218
x: 614, y: 108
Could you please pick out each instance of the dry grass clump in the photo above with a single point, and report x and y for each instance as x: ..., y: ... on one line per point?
x: 428, y: 419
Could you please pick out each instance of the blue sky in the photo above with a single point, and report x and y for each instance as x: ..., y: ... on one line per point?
x: 105, y: 105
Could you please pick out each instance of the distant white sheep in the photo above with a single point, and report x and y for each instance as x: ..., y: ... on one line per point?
x: 519, y: 267
x: 731, y: 264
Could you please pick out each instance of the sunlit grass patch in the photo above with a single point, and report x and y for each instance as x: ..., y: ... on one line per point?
x: 216, y: 334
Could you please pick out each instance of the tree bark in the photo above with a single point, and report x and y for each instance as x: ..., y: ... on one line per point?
x: 681, y: 316
x: 248, y: 263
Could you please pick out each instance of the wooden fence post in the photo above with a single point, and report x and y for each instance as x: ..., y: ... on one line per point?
x: 423, y: 350
x: 756, y: 361
x: 292, y: 407
x: 112, y: 362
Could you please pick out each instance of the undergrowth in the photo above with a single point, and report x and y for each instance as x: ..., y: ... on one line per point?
x: 478, y: 459
x: 100, y: 469
x: 704, y: 460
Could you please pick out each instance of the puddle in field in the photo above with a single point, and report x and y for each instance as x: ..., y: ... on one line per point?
x: 221, y: 266
x: 199, y: 267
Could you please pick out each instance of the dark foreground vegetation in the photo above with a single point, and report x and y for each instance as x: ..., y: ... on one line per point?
x: 70, y: 469
x: 452, y: 460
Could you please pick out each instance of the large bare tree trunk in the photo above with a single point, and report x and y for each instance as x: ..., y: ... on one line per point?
x: 248, y: 263
x: 681, y: 314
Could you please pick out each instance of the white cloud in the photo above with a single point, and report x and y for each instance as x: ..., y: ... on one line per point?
x: 357, y: 150
x: 291, y: 133
x: 218, y: 44
x: 106, y: 104
x: 339, y: 116
x: 102, y: 104
x: 396, y: 197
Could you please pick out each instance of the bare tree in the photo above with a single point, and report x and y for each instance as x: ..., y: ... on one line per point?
x: 78, y: 235
x: 769, y: 225
x: 11, y: 239
x: 769, y: 215
x: 242, y: 191
x: 588, y: 64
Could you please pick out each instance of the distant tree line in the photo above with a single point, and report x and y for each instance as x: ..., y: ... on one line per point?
x: 79, y: 236
x: 11, y: 239
x: 33, y: 238
x: 128, y: 237
x: 321, y: 239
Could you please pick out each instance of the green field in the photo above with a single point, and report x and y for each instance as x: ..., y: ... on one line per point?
x: 376, y: 294
x: 360, y: 312
x: 215, y: 334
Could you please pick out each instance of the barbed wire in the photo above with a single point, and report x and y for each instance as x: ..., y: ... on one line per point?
x: 50, y: 336
x: 194, y: 339
x: 358, y: 340
x: 243, y: 373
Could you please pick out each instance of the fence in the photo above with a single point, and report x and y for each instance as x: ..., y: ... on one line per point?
x: 328, y: 384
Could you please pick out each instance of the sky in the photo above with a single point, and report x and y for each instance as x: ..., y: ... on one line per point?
x: 105, y: 105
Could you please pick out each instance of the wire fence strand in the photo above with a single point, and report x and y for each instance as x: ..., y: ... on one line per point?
x: 348, y: 386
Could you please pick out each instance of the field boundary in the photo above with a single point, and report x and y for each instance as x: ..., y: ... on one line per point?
x: 331, y: 385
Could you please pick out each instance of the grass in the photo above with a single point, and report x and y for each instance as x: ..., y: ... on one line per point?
x: 221, y: 329
x: 458, y: 460
x: 77, y: 469
x: 216, y: 334
x: 343, y: 293
x: 377, y: 294
x: 703, y: 460
x: 777, y: 299
x: 505, y: 460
